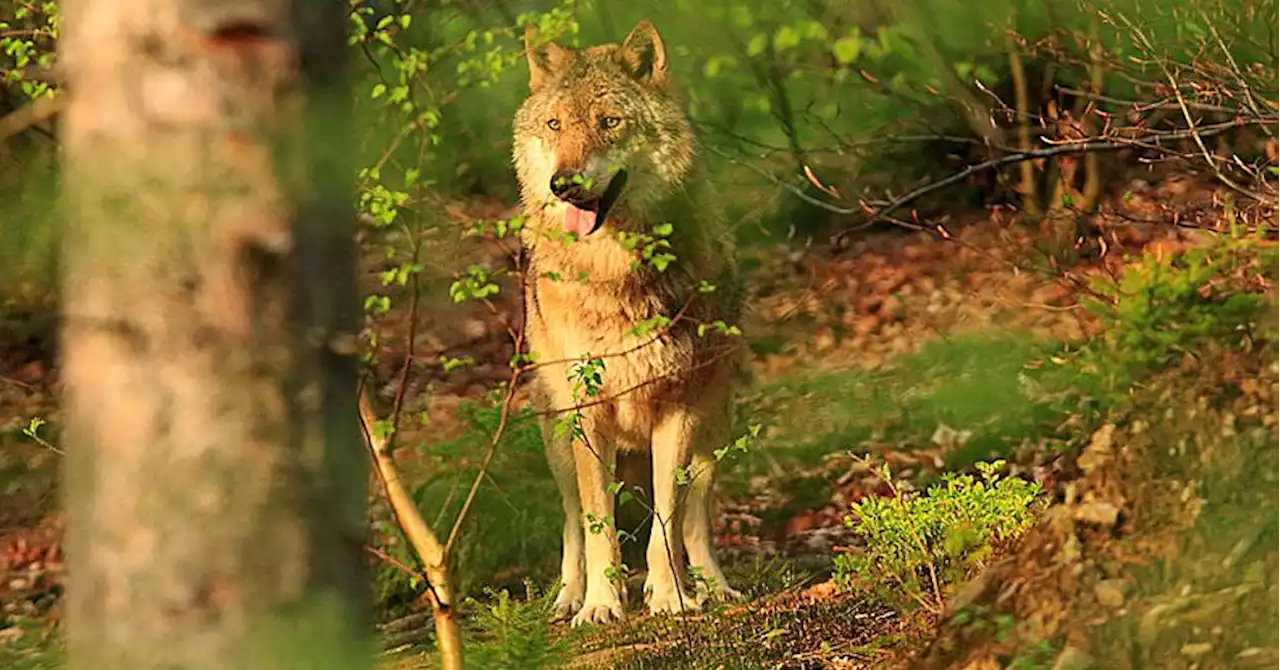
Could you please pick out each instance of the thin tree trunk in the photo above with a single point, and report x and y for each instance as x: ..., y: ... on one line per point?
x: 215, y: 478
x: 431, y: 553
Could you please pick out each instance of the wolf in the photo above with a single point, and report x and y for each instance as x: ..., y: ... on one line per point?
x: 604, y: 153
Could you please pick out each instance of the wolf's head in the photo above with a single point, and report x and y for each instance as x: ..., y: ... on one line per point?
x: 602, y: 132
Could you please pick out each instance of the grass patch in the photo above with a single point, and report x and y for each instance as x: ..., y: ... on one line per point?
x: 987, y: 384
x: 754, y: 638
x: 29, y: 644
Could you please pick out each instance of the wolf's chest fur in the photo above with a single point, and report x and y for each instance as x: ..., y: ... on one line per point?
x: 571, y: 318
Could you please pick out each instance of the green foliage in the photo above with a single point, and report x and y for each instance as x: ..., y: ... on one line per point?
x: 979, y: 618
x: 918, y: 546
x: 27, y: 643
x: 794, y: 79
x: 28, y: 180
x: 650, y: 248
x: 26, y: 41
x: 1003, y: 629
x: 1165, y: 307
x: 431, y: 96
x: 516, y: 633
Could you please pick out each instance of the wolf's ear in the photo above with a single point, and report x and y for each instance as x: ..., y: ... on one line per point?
x: 544, y: 60
x: 644, y: 56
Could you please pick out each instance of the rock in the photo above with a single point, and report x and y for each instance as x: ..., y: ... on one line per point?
x: 824, y: 339
x: 1110, y: 592
x: 1098, y: 513
x: 475, y: 329
x: 1258, y: 657
x: 949, y: 438
x: 1099, y: 451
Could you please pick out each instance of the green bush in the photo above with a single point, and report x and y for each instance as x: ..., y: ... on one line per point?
x: 919, y: 546
x: 1167, y: 306
x: 517, y: 634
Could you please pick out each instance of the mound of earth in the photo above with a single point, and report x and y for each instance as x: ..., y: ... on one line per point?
x: 1162, y: 555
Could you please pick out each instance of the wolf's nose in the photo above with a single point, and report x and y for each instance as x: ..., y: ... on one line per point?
x: 566, y: 184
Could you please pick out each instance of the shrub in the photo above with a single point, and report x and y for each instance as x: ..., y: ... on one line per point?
x: 517, y: 633
x: 919, y: 545
x: 1167, y: 306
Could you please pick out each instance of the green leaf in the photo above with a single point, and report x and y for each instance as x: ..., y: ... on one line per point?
x: 786, y: 38
x: 815, y: 30
x: 846, y: 49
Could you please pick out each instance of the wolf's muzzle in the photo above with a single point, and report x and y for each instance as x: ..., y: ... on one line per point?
x: 571, y: 186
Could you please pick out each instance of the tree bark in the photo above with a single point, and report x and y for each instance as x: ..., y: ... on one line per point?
x: 215, y: 478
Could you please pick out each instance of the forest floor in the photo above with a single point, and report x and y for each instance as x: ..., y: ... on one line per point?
x: 923, y: 353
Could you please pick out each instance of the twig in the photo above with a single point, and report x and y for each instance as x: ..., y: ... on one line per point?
x: 850, y: 144
x: 16, y: 382
x: 1146, y: 106
x: 44, y: 443
x: 600, y: 400
x: 881, y: 213
x: 407, y: 366
x: 1250, y: 97
x: 503, y: 420
x: 37, y: 111
x: 1057, y: 150
x: 657, y: 335
x: 1186, y: 114
x: 392, y: 560
x: 1030, y: 202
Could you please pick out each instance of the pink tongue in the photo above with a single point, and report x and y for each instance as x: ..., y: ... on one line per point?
x: 580, y: 221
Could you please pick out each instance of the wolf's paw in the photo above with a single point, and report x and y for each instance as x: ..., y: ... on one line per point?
x: 669, y: 600
x: 599, y: 612
x: 565, y: 607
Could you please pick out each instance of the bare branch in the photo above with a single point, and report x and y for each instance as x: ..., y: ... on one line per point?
x: 1109, y: 144
x: 430, y: 552
x: 37, y: 111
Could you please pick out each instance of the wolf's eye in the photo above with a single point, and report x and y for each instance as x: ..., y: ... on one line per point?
x: 610, y: 122
x: 554, y: 124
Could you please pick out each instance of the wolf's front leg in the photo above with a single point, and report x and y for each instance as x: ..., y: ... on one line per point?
x: 572, y: 578
x: 698, y: 532
x: 672, y: 445
x: 596, y: 461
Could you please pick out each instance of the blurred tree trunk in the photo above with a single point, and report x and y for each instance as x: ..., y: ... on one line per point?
x: 215, y: 478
